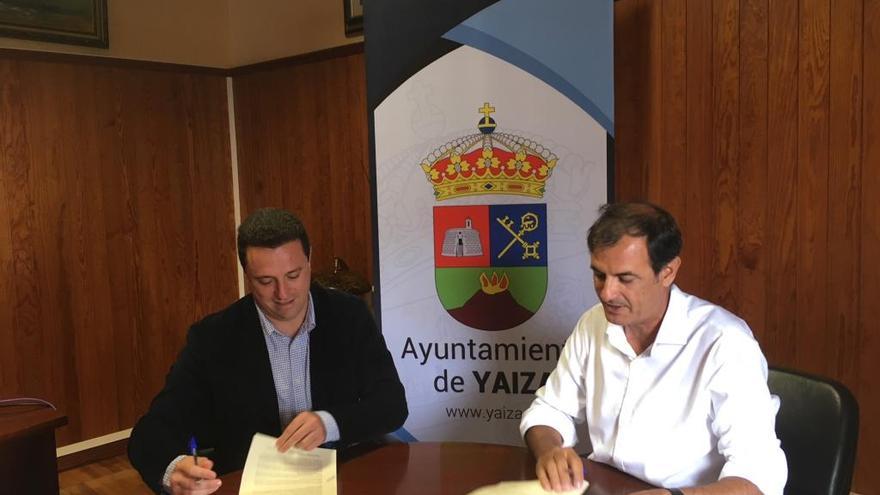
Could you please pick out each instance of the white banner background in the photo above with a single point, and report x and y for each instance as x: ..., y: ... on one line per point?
x: 435, y: 106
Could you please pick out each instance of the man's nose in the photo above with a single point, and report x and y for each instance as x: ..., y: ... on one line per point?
x: 281, y: 291
x: 608, y: 289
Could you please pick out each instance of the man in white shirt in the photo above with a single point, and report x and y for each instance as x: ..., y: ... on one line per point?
x: 673, y: 388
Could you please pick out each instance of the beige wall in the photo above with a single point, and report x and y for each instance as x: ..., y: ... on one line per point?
x: 262, y: 30
x: 212, y: 33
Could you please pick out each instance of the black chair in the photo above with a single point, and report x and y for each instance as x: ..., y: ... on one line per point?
x: 818, y: 425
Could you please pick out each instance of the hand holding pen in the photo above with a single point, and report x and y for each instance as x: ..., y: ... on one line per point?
x: 193, y: 475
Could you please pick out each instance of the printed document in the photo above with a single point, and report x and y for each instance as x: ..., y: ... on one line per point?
x: 532, y: 487
x: 296, y: 472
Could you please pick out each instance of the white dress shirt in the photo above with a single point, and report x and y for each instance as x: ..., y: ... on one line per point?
x: 694, y: 407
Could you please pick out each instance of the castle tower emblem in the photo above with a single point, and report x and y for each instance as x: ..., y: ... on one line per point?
x: 463, y: 241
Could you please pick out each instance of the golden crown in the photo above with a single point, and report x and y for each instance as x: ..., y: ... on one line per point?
x: 489, y: 163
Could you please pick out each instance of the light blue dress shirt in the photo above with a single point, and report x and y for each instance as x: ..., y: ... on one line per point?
x: 289, y: 358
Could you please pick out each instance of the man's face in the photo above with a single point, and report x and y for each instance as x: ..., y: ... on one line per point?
x: 631, y: 294
x: 279, y: 279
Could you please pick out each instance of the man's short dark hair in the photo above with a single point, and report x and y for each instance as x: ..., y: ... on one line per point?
x: 270, y: 228
x: 637, y: 219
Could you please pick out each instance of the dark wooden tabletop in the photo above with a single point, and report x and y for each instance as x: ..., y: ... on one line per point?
x: 448, y: 468
x: 18, y: 421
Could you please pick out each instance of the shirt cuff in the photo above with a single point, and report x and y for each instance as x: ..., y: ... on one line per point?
x: 543, y: 414
x: 166, y: 480
x: 330, y: 426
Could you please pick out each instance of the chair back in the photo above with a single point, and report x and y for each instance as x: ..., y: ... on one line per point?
x: 818, y: 425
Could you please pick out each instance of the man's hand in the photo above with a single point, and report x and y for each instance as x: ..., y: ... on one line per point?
x: 189, y: 479
x: 560, y: 469
x: 306, y: 431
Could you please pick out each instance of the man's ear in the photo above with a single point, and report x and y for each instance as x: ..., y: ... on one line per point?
x: 668, y: 272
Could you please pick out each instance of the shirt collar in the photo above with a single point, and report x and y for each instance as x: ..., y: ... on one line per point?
x: 308, y: 324
x: 671, y: 330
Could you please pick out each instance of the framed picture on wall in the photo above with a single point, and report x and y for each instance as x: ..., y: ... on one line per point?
x: 73, y: 22
x: 354, y: 17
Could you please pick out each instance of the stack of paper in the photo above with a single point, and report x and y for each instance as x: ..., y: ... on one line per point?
x: 296, y: 472
x: 532, y: 487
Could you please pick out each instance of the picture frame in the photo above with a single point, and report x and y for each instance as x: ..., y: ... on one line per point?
x: 72, y: 22
x: 354, y: 17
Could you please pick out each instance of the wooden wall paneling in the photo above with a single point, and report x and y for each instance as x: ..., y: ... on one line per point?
x: 72, y: 257
x: 95, y: 337
x: 246, y: 181
x: 147, y: 182
x: 314, y: 114
x: 339, y: 213
x: 633, y: 33
x: 208, y: 124
x: 179, y: 187
x: 814, y: 350
x: 24, y: 297
x: 349, y: 185
x: 654, y: 120
x: 752, y: 190
x: 358, y: 148
x: 700, y: 148
x: 11, y: 152
x: 8, y: 151
x: 170, y: 196
x: 844, y: 185
x: 57, y: 264
x: 320, y: 196
x: 722, y: 288
x: 780, y: 335
x: 349, y: 162
x: 88, y: 266
x: 868, y: 391
x: 779, y: 226
x: 116, y: 198
x: 672, y: 177
x: 124, y: 265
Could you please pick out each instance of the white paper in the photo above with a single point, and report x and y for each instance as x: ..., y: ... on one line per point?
x: 532, y: 487
x: 295, y: 472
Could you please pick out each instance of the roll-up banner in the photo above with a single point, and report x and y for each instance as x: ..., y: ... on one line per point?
x: 491, y: 125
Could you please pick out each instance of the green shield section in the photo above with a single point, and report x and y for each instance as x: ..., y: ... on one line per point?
x: 455, y: 286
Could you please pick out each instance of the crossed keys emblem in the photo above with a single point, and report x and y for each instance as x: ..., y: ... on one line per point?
x: 527, y: 223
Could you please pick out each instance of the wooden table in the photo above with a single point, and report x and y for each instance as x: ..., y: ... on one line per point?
x: 27, y: 449
x: 448, y: 468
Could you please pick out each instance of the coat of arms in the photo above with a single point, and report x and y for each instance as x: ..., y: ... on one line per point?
x: 490, y: 259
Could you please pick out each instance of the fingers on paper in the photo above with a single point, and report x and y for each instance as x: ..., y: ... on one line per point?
x: 305, y: 431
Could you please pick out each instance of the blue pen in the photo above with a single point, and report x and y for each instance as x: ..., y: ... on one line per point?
x: 194, y: 449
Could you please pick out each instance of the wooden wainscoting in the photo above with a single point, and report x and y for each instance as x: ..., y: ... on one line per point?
x: 302, y: 145
x: 116, y: 231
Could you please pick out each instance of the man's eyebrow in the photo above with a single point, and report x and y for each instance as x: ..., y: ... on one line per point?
x: 621, y: 274
x: 626, y: 274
